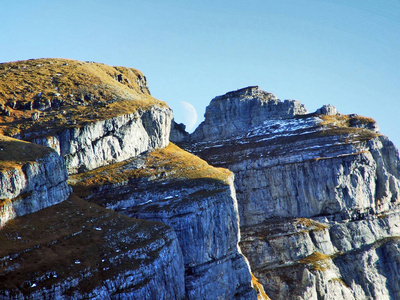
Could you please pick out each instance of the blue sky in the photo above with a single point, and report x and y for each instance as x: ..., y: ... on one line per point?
x: 339, y: 52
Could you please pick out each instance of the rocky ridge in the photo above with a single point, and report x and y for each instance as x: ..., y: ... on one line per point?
x: 99, y: 119
x: 90, y: 113
x: 318, y: 196
x: 195, y: 199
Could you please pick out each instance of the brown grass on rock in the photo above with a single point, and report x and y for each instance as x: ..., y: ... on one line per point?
x: 46, y: 94
x: 169, y: 163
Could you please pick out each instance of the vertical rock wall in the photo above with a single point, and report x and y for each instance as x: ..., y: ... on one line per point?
x: 306, y: 186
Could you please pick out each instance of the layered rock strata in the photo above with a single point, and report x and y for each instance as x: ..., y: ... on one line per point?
x: 195, y: 199
x: 32, y: 177
x: 112, y: 140
x: 78, y: 250
x: 335, y: 169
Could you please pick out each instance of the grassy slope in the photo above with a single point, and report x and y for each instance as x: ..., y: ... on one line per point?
x: 170, y: 163
x: 89, y: 92
x: 15, y: 153
x: 53, y: 240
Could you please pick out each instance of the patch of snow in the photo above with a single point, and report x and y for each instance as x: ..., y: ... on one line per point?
x: 145, y: 202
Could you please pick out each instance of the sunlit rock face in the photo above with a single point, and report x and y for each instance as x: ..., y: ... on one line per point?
x: 111, y: 137
x: 293, y: 169
x: 236, y: 111
x: 195, y: 199
x: 112, y: 140
x: 31, y: 178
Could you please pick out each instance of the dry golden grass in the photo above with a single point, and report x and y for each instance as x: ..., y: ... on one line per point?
x: 169, y: 163
x: 350, y: 125
x: 344, y: 120
x: 15, y: 153
x: 104, y: 92
x: 261, y: 295
x: 318, y: 261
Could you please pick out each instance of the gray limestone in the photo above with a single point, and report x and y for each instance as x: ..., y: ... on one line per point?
x: 315, y: 195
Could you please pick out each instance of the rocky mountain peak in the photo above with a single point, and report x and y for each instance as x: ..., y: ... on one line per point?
x: 239, y: 110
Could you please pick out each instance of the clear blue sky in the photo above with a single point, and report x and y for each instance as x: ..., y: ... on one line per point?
x: 340, y: 52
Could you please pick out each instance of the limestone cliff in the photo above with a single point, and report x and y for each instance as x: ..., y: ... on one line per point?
x: 32, y: 177
x: 90, y: 113
x: 106, y: 131
x: 308, y: 185
x: 195, y: 199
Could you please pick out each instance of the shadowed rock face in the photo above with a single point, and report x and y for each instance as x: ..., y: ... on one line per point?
x: 112, y: 135
x: 79, y: 250
x: 294, y: 169
x: 196, y: 200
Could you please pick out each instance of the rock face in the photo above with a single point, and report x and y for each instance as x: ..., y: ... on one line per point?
x: 104, y: 123
x: 236, y: 111
x: 112, y: 140
x: 306, y: 185
x: 31, y: 178
x: 77, y: 250
x: 195, y: 199
x: 90, y: 113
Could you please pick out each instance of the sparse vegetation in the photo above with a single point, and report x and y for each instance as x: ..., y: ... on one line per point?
x: 311, y: 224
x: 15, y: 153
x: 318, y: 261
x: 261, y: 295
x: 74, y: 239
x: 67, y: 93
x: 340, y: 280
x: 356, y: 127
x: 164, y: 164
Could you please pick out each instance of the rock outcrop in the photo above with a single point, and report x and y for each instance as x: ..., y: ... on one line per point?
x: 195, y: 199
x: 90, y: 113
x: 334, y: 173
x: 78, y: 250
x: 32, y: 177
x: 112, y: 140
x: 235, y: 112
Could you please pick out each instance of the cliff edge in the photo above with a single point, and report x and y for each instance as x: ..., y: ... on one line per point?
x: 318, y: 194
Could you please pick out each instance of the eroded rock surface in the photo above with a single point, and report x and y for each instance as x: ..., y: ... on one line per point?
x: 112, y: 140
x: 195, y: 199
x: 335, y: 171
x: 32, y: 177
